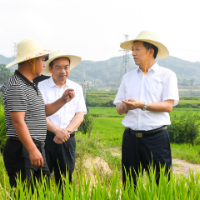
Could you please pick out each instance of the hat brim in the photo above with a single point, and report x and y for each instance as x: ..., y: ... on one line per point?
x: 21, y: 59
x: 74, y: 61
x: 162, y: 50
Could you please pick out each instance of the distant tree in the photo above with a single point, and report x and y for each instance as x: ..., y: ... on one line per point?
x: 191, y: 82
x: 185, y: 82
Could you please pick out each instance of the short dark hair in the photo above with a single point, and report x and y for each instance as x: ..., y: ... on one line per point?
x: 51, y: 63
x: 150, y: 46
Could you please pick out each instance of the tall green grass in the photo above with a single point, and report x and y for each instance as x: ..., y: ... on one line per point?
x: 83, y: 188
x: 3, y: 137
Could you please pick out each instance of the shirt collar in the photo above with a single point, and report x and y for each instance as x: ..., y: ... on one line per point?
x: 154, y: 68
x: 26, y: 81
x: 52, y: 83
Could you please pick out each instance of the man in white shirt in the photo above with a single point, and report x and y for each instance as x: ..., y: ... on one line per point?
x: 60, y: 142
x: 146, y: 96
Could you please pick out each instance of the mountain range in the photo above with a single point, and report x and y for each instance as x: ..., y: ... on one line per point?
x: 109, y: 72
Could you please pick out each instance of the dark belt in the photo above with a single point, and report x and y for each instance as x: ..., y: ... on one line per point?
x: 37, y: 143
x: 141, y: 134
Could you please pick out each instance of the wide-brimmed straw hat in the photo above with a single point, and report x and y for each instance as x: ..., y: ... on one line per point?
x: 27, y: 49
x: 151, y: 38
x: 74, y: 60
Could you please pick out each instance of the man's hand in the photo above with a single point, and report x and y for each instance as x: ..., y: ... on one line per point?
x: 62, y: 134
x: 68, y: 95
x: 63, y: 139
x: 57, y: 141
x: 24, y: 136
x: 36, y: 158
x: 133, y: 104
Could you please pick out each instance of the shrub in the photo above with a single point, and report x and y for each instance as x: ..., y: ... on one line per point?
x: 87, y: 124
x: 2, y: 128
x: 1, y: 99
x: 184, y: 129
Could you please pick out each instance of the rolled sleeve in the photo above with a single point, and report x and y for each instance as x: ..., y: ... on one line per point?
x: 81, y: 107
x: 170, y: 90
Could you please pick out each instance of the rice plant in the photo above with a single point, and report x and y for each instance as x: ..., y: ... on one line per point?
x: 83, y: 189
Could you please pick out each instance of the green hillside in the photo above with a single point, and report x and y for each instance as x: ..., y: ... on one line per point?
x: 109, y: 72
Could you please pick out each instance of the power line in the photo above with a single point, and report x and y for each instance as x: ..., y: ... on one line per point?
x: 125, y: 65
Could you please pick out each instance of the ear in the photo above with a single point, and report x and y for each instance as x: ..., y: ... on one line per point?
x: 31, y: 62
x: 151, y: 53
x: 50, y: 69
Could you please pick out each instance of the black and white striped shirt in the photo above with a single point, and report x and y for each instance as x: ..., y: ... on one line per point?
x: 21, y: 95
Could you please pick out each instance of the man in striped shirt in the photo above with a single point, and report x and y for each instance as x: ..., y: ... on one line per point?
x: 25, y: 115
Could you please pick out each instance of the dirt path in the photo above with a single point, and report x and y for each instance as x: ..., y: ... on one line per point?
x: 182, y: 167
x: 178, y: 166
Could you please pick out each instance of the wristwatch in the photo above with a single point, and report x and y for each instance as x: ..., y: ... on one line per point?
x: 145, y: 106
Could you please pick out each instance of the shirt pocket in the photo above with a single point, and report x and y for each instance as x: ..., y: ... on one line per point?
x: 156, y: 90
x: 133, y: 91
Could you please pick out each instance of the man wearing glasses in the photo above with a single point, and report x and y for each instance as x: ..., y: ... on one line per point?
x: 60, y: 142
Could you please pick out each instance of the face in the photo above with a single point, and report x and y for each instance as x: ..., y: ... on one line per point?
x: 61, y: 69
x: 139, y: 53
x: 39, y: 65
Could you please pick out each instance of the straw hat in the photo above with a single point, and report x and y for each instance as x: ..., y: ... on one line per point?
x: 74, y: 60
x: 27, y: 49
x: 149, y: 37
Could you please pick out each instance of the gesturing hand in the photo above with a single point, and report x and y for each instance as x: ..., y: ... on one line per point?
x: 133, y: 104
x: 68, y: 95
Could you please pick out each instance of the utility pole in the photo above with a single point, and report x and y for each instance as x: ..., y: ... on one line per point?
x: 84, y: 84
x: 14, y: 50
x: 125, y: 65
x: 84, y: 89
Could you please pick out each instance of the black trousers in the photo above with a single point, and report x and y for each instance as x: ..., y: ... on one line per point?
x: 60, y: 157
x: 142, y: 151
x: 17, y: 162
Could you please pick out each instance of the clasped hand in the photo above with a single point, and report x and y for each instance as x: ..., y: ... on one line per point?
x: 62, y: 135
x: 131, y: 104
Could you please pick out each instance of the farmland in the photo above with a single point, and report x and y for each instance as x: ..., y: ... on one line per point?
x: 104, y: 143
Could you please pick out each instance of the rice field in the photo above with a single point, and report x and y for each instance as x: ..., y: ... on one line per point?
x: 182, y: 187
x: 106, y: 134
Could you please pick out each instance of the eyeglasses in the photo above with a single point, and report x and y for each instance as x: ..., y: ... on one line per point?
x: 59, y: 68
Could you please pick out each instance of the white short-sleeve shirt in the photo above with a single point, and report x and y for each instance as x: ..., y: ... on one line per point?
x: 51, y: 92
x: 157, y: 85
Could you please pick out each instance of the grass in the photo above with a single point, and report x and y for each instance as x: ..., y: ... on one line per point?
x: 88, y: 183
x: 2, y: 127
x: 106, y: 99
x: 109, y: 131
x: 186, y: 152
x: 83, y: 188
x: 92, y: 147
x: 3, y: 178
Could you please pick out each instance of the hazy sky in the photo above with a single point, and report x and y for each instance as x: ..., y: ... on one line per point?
x: 94, y: 29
